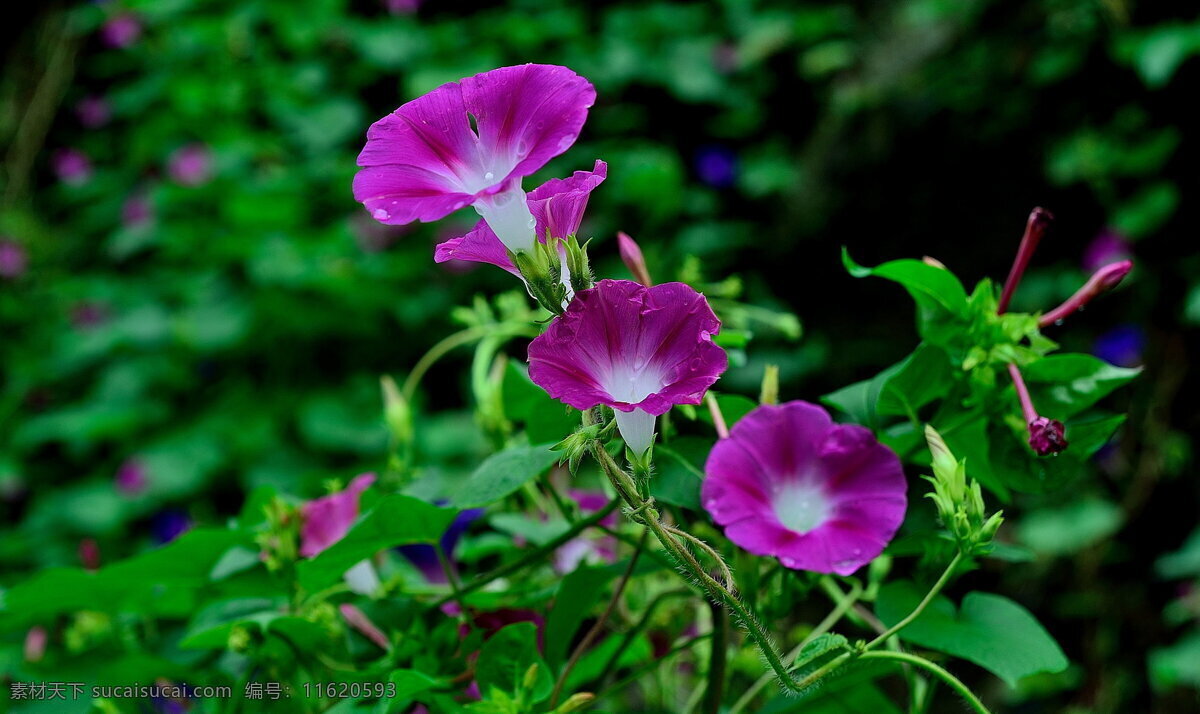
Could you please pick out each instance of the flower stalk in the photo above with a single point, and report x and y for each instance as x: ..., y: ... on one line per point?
x: 1046, y: 436
x: 1035, y: 228
x: 1102, y: 281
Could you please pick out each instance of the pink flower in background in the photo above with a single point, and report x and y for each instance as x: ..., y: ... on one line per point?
x: 357, y: 619
x: 327, y: 519
x: 428, y: 158
x: 586, y: 548
x: 136, y: 210
x: 790, y: 483
x: 638, y: 350
x: 89, y: 554
x: 402, y: 7
x: 631, y: 256
x: 557, y: 207
x: 121, y: 31
x: 190, y: 165
x: 1107, y: 247
x: 72, y: 166
x: 93, y: 112
x: 35, y: 643
x: 131, y: 478
x: 13, y: 259
x: 88, y: 314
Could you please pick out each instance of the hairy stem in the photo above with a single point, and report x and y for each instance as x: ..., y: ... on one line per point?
x: 936, y: 670
x: 716, y: 659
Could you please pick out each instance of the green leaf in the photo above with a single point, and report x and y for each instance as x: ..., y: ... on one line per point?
x: 680, y: 471
x: 544, y: 418
x: 395, y: 520
x: 577, y: 594
x: 501, y: 474
x: 1064, y: 385
x: 1182, y: 563
x: 410, y: 682
x: 899, y: 390
x: 1177, y: 665
x: 940, y: 297
x: 507, y: 656
x: 1071, y: 528
x: 989, y: 630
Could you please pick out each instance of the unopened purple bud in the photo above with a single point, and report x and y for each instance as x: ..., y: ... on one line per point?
x: 1039, y: 220
x: 35, y: 643
x: 1047, y: 436
x: 13, y: 260
x: 121, y: 31
x: 631, y: 255
x: 72, y: 166
x: 1102, y: 280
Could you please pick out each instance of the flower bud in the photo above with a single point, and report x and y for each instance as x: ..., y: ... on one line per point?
x: 541, y: 267
x: 770, y: 385
x: 575, y: 702
x: 531, y: 676
x: 959, y: 500
x: 631, y: 255
x: 1047, y: 436
x: 396, y: 411
x: 578, y: 266
x: 1103, y: 280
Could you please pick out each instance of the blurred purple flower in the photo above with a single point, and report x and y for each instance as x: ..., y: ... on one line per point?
x: 190, y: 165
x: 13, y: 259
x: 35, y: 643
x: 371, y: 236
x: 122, y: 30
x: 638, y: 350
x: 1123, y: 346
x: 425, y: 160
x: 425, y: 557
x: 557, y: 207
x: 717, y: 165
x: 584, y: 548
x: 136, y: 210
x: 168, y: 525
x: 790, y: 483
x: 1107, y: 247
x: 131, y: 478
x: 357, y: 619
x: 89, y: 554
x: 87, y: 314
x: 327, y: 519
x: 72, y: 166
x: 402, y: 7
x: 93, y: 111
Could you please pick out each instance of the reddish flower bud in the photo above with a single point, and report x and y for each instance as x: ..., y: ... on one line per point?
x: 631, y: 255
x: 1101, y: 281
x: 1047, y: 436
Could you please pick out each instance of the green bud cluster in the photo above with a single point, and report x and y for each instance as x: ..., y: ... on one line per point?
x: 542, y: 268
x: 959, y: 500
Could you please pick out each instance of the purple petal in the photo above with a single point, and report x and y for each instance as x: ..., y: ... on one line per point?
x: 819, y: 496
x: 423, y: 161
x: 556, y: 205
x: 628, y: 346
x: 528, y: 114
x: 327, y: 519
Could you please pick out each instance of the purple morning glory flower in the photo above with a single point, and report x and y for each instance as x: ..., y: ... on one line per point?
x: 638, y: 350
x: 121, y: 31
x: 717, y: 166
x: 585, y: 548
x: 190, y: 165
x: 557, y: 207
x: 1122, y: 346
x: 72, y: 166
x: 470, y: 143
x: 13, y: 260
x: 790, y: 483
x: 425, y: 558
x: 327, y: 519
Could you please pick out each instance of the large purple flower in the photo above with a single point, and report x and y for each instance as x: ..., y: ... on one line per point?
x: 638, y: 350
x: 557, y: 207
x: 790, y: 483
x: 470, y: 143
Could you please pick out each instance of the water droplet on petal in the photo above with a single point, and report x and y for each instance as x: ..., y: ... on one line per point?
x: 381, y: 215
x: 489, y: 176
x: 1059, y: 322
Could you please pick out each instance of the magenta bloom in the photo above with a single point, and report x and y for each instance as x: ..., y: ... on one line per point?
x: 790, y: 483
x: 557, y: 207
x: 190, y: 165
x: 72, y: 166
x: 131, y: 478
x: 470, y: 143
x: 327, y: 519
x: 638, y: 350
x: 121, y: 31
x: 13, y: 260
x: 136, y: 210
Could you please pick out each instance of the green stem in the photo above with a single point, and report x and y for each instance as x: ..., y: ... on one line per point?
x: 532, y: 557
x: 934, y: 669
x: 637, y: 629
x: 643, y: 511
x: 595, y: 630
x: 844, y: 603
x: 458, y: 339
x: 716, y: 660
x: 654, y: 664
x: 937, y: 587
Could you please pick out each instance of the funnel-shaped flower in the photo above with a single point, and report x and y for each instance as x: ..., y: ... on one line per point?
x: 557, y: 207
x: 638, y: 350
x: 327, y: 519
x: 470, y: 143
x: 790, y: 483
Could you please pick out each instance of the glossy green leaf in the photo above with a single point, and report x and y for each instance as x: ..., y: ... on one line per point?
x: 989, y: 630
x: 501, y: 474
x: 507, y: 656
x: 1064, y: 385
